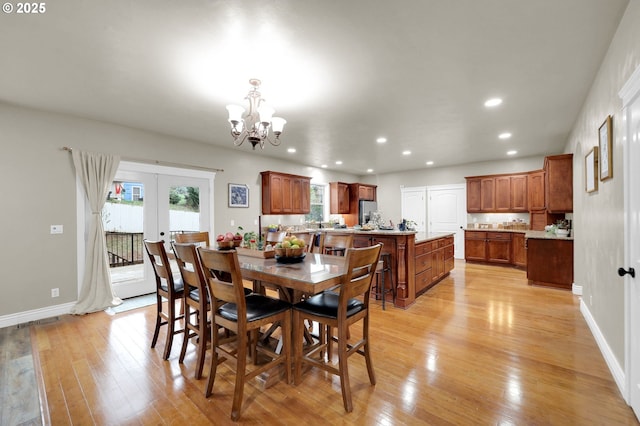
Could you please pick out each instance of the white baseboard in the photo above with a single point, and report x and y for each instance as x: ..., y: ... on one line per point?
x: 576, y: 289
x: 36, y: 314
x: 616, y: 370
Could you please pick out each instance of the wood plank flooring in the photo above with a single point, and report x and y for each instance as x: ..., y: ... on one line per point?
x: 481, y: 347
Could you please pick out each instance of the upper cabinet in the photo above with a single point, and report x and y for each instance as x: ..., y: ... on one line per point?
x: 283, y: 193
x: 365, y: 192
x: 338, y: 198
x: 497, y: 193
x: 535, y: 182
x: 559, y: 183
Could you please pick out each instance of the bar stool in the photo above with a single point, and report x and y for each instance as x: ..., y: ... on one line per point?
x: 384, y: 266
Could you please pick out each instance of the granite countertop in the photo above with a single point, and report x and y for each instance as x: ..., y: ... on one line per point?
x: 543, y: 235
x: 419, y: 236
x: 428, y: 236
x: 497, y: 230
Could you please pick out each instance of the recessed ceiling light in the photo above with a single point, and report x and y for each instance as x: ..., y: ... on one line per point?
x: 324, y: 166
x: 505, y: 135
x: 338, y: 162
x: 512, y: 152
x: 493, y: 102
x: 429, y: 163
x: 369, y: 170
x: 291, y: 150
x: 381, y: 140
x: 406, y: 152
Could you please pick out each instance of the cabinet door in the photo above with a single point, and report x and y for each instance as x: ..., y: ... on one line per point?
x: 519, y: 193
x: 559, y: 183
x: 487, y: 195
x: 535, y: 190
x: 473, y: 195
x: 475, y: 246
x: 360, y: 241
x: 519, y: 254
x: 287, y: 194
x: 275, y: 189
x: 499, y: 247
x: 338, y: 198
x: 503, y: 193
x: 366, y: 192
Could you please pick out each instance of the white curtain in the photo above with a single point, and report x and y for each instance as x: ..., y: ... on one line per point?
x: 96, y: 171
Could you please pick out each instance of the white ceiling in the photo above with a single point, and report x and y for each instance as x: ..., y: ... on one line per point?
x: 342, y: 73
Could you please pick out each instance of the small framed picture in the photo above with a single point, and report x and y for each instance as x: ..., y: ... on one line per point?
x: 605, y: 144
x: 238, y: 195
x: 591, y: 168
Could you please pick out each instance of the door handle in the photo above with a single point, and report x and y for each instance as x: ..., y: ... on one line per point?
x: 162, y: 234
x: 630, y: 271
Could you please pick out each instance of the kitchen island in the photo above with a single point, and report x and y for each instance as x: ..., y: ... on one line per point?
x: 419, y: 260
x: 549, y: 259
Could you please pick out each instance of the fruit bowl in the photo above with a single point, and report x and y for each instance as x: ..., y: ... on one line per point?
x: 225, y: 245
x: 290, y: 259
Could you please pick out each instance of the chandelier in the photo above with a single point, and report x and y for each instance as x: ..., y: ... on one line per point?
x: 255, y: 125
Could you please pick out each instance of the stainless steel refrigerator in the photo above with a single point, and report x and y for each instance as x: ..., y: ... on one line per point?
x: 364, y: 210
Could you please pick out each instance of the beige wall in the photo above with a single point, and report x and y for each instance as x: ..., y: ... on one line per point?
x: 598, y: 217
x: 40, y: 191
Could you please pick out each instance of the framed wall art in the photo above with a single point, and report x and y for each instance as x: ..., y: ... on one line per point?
x: 591, y: 168
x: 238, y: 195
x: 605, y: 145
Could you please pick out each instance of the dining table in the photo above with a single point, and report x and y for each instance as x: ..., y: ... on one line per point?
x: 312, y: 275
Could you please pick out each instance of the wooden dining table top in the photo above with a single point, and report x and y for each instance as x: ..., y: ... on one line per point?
x: 316, y: 273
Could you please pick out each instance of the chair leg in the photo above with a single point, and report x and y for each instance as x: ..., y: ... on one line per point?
x: 240, y: 373
x: 367, y: 352
x: 156, y: 332
x: 171, y: 326
x: 344, y: 371
x: 185, y: 340
x: 213, y: 365
x: 286, y: 343
x: 202, y: 343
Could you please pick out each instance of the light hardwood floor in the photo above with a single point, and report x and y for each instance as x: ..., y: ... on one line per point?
x: 481, y: 347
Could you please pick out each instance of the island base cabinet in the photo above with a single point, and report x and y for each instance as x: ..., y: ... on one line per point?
x: 550, y: 262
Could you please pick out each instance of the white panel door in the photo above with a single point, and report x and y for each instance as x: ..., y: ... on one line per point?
x: 414, y: 206
x: 632, y: 246
x: 448, y: 213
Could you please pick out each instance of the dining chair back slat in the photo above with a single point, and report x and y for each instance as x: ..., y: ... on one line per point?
x: 201, y: 238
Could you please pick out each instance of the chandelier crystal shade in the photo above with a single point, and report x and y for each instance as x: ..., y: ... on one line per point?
x: 255, y: 124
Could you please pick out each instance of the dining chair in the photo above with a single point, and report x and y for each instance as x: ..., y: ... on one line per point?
x: 168, y: 288
x: 273, y: 237
x: 336, y: 244
x: 232, y: 310
x: 339, y: 309
x: 201, y: 237
x: 308, y: 239
x: 195, y: 301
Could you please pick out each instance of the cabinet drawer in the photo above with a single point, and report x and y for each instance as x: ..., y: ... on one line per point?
x: 448, y: 265
x: 448, y: 241
x: 505, y: 236
x: 475, y: 235
x: 448, y: 252
x: 423, y: 279
x: 442, y: 242
x: 423, y: 248
x: 423, y: 262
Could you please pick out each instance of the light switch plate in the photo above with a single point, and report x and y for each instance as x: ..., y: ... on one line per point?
x: 56, y: 229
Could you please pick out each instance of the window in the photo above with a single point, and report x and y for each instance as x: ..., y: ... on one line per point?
x: 317, y: 203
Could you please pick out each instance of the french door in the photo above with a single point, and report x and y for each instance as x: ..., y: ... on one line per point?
x: 160, y: 202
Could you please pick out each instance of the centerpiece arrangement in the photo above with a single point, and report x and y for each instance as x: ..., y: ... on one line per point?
x: 290, y: 250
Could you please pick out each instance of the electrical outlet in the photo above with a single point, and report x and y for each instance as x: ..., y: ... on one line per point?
x: 233, y: 222
x: 591, y: 300
x: 55, y: 292
x: 56, y: 229
x: 255, y: 222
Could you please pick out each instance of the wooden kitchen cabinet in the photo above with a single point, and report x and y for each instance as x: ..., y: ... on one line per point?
x: 518, y: 196
x: 364, y: 192
x: 487, y: 194
x: 488, y: 246
x: 434, y: 261
x: 497, y: 193
x: 502, y: 194
x: 474, y: 189
x: 559, y: 183
x: 541, y: 218
x: 518, y: 250
x: 283, y: 193
x: 535, y: 190
x: 550, y: 262
x: 339, y: 198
